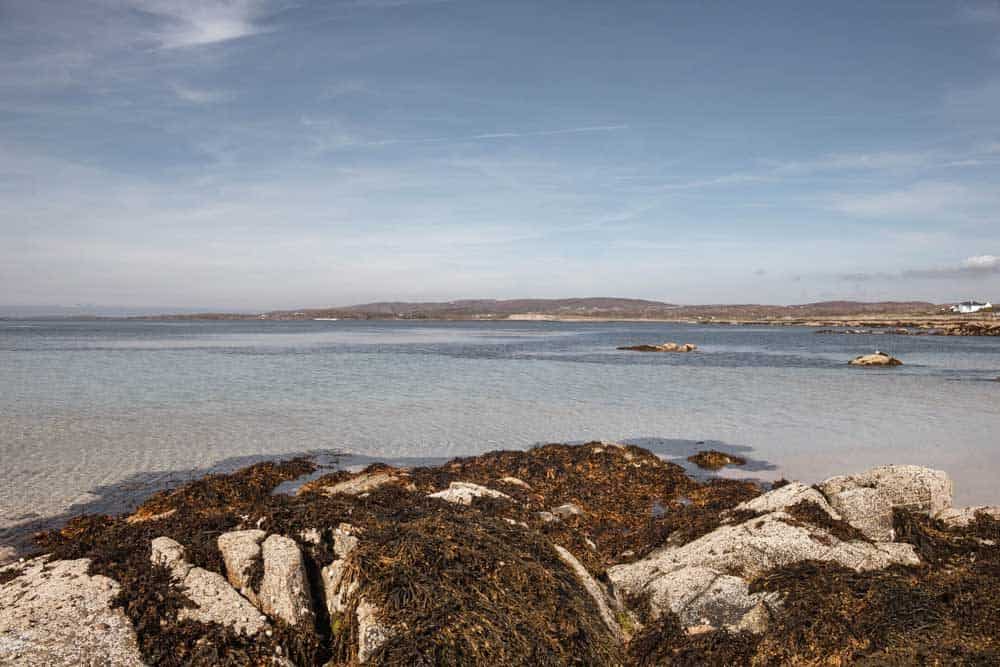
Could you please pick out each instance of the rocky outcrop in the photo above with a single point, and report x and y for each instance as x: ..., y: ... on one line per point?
x: 283, y: 587
x: 411, y: 579
x: 55, y: 614
x: 463, y: 493
x: 215, y: 600
x: 706, y: 581
x: 867, y: 500
x: 875, y: 359
x: 662, y: 347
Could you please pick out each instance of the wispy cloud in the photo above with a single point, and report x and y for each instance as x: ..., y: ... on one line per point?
x: 187, y: 23
x: 199, y: 95
x: 919, y: 200
x: 978, y: 266
x: 505, y: 134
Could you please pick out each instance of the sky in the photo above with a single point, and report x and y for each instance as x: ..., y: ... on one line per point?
x: 257, y: 154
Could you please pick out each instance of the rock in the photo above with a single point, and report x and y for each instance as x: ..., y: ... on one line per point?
x: 705, y: 581
x: 363, y: 483
x: 311, y: 536
x: 960, y: 517
x: 516, y: 482
x: 875, y: 359
x: 784, y: 497
x: 371, y: 632
x: 284, y: 589
x: 170, y: 554
x: 567, y: 510
x: 335, y: 590
x: 867, y: 500
x: 702, y: 596
x: 240, y: 551
x: 332, y: 576
x: 463, y: 493
x: 663, y: 347
x: 215, y: 600
x: 54, y: 613
x: 344, y: 542
x: 594, y: 589
x: 713, y: 460
x: 143, y: 516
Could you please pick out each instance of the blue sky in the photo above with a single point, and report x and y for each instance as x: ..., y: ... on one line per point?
x: 258, y: 154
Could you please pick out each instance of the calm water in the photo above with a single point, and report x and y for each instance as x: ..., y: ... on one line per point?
x: 92, y: 413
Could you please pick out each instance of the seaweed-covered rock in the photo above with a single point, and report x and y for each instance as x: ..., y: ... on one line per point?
x: 714, y: 460
x: 365, y: 482
x: 596, y: 592
x: 961, y: 517
x: 784, y: 497
x: 215, y: 600
x: 55, y: 614
x: 705, y: 581
x: 867, y: 500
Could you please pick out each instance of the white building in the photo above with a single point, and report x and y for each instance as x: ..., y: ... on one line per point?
x: 970, y: 307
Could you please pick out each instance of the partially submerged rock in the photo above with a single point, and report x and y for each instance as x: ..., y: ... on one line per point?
x: 662, y: 347
x: 714, y: 460
x: 55, y: 613
x: 875, y: 359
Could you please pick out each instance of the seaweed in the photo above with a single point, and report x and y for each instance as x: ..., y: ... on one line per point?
x: 482, y: 583
x: 811, y: 513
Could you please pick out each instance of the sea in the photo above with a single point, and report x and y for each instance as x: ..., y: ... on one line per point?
x: 96, y: 415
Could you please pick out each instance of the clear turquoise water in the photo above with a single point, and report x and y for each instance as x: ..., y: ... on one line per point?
x: 91, y: 412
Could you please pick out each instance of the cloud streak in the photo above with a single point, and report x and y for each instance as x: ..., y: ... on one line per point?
x: 979, y: 266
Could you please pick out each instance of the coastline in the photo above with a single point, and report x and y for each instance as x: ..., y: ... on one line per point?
x: 560, y: 549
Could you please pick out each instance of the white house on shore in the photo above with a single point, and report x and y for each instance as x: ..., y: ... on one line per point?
x: 970, y: 307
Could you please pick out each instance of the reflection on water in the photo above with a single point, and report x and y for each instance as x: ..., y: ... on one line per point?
x: 85, y: 406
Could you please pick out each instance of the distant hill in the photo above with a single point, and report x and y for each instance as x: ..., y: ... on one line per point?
x: 582, y: 308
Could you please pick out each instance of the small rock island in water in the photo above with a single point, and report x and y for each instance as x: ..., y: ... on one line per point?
x: 598, y: 554
x: 662, y: 347
x: 875, y: 359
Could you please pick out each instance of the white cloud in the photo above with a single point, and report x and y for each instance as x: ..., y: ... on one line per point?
x: 186, y: 23
x: 982, y: 263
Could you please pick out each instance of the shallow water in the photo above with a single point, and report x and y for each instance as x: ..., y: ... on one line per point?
x: 94, y: 413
